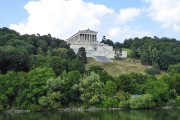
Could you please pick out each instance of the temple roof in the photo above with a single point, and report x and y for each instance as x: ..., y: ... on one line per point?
x: 87, y: 31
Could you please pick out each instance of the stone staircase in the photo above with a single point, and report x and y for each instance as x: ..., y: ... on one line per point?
x: 99, y: 58
x: 102, y: 59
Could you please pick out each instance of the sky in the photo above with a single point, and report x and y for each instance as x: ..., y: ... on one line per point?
x: 116, y: 19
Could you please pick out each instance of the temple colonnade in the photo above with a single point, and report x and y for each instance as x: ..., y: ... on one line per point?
x: 82, y: 38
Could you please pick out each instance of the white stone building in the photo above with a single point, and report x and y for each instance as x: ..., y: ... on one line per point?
x: 88, y: 40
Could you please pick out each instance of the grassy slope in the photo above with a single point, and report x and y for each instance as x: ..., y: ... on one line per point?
x: 118, y: 67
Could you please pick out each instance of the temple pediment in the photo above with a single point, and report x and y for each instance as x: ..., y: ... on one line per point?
x: 88, y: 31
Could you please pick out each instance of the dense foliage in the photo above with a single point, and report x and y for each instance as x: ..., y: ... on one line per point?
x: 158, y: 52
x: 43, y: 73
x: 161, y: 51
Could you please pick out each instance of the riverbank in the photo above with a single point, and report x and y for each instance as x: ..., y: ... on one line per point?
x: 84, y: 109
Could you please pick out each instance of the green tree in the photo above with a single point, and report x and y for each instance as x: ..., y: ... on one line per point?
x: 71, y: 79
x: 12, y: 58
x: 132, y: 83
x: 104, y: 76
x: 82, y: 55
x: 118, y: 45
x: 174, y: 68
x: 107, y: 41
x: 35, y: 89
x: 75, y: 64
x: 175, y: 82
x: 91, y: 89
x: 110, y: 88
x: 58, y: 64
x: 71, y: 54
x: 11, y: 85
x: 166, y: 58
x: 159, y: 90
x: 143, y: 101
x: 53, y: 97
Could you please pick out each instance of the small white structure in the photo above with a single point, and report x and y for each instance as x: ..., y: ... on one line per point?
x: 88, y: 40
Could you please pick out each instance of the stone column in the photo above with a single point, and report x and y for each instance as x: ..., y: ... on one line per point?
x: 89, y: 37
x: 85, y: 37
x: 81, y: 37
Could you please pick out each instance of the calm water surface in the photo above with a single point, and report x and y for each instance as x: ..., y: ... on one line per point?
x: 97, y: 115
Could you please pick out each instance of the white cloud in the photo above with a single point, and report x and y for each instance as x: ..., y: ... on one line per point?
x: 62, y: 18
x: 128, y: 14
x: 166, y: 12
x: 122, y: 33
x: 121, y: 30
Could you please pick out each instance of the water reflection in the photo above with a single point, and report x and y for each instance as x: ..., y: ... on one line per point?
x: 97, y: 115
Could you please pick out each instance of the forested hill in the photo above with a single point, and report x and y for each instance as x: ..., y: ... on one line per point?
x: 160, y: 51
x: 26, y: 52
x: 43, y: 73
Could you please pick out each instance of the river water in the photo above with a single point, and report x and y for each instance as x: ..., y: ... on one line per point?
x: 96, y: 115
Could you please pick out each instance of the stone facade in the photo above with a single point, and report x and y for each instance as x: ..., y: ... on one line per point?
x: 83, y: 37
x: 88, y: 40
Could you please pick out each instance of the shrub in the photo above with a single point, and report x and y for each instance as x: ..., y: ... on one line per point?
x: 152, y: 71
x: 124, y: 104
x: 171, y: 103
x: 143, y: 101
x: 178, y: 101
x: 109, y: 102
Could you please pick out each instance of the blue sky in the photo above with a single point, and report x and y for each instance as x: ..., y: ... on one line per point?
x: 12, y: 11
x: 116, y: 19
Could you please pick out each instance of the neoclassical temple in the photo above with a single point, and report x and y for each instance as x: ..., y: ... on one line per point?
x: 83, y: 37
x: 88, y: 39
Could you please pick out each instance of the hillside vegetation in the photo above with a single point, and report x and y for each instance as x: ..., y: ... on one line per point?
x: 118, y: 67
x: 40, y: 72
